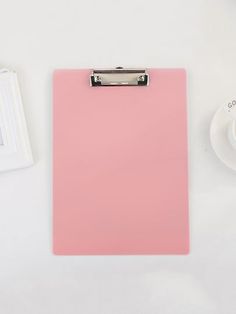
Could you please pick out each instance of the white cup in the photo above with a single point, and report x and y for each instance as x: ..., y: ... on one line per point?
x: 230, y: 108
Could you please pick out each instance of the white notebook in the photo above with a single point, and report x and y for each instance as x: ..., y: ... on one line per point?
x: 15, y: 150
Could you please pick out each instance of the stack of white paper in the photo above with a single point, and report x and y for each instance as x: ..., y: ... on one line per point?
x: 15, y: 150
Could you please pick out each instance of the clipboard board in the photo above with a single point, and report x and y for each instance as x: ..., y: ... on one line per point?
x: 120, y: 162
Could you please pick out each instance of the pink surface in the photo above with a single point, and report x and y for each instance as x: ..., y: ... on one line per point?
x: 120, y: 166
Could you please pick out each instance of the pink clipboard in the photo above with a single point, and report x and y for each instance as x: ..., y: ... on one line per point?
x: 120, y: 179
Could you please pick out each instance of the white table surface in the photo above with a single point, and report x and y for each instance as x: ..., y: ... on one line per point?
x: 39, y: 36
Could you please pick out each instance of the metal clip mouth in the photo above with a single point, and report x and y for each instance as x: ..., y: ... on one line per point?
x: 119, y: 77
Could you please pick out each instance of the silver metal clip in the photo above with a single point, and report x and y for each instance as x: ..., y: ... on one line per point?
x: 119, y: 77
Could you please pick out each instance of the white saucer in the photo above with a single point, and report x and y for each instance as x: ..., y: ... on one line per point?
x: 219, y: 137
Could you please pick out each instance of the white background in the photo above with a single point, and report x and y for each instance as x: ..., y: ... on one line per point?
x: 39, y: 36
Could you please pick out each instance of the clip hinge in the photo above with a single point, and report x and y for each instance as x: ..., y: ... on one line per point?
x: 119, y: 77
